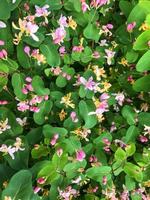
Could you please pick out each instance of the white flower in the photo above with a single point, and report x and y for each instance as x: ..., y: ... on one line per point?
x: 22, y: 122
x: 4, y: 126
x: 2, y: 25
x: 13, y: 1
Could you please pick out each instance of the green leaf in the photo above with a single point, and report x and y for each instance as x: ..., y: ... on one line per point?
x: 97, y: 173
x: 4, y: 10
x: 22, y: 57
x: 18, y: 83
x: 139, y: 12
x: 120, y: 154
x: 133, y: 171
x: 84, y: 109
x: 91, y: 32
x: 38, y: 86
x: 141, y: 42
x: 132, y: 56
x: 11, y: 64
x: 39, y: 152
x: 72, y: 5
x: 45, y: 108
x: 142, y: 84
x: 144, y: 62
x: 61, y: 81
x: 86, y: 56
x: 125, y: 7
x: 144, y: 118
x: 130, y: 149
x: 49, y: 50
x: 129, y: 114
x: 49, y: 131
x: 74, y: 166
x: 72, y: 144
x: 130, y: 183
x: 131, y: 134
x: 20, y: 186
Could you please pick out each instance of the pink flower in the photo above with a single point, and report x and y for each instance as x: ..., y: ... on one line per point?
x: 68, y: 193
x: 41, y: 11
x: 29, y: 87
x: 28, y: 79
x: 54, y: 139
x: 59, y: 152
x: 27, y: 50
x: 3, y: 102
x: 109, y: 56
x: 120, y: 98
x: 37, y: 189
x: 89, y: 84
x: 109, y: 26
x: 98, y: 3
x: 63, y: 21
x: 3, y: 54
x: 143, y: 139
x: 23, y: 106
x: 85, y: 7
x: 2, y: 43
x: 96, y: 55
x: 34, y: 109
x: 131, y: 26
x: 24, y: 91
x: 59, y: 35
x: 80, y: 155
x: 62, y: 50
x: 104, y: 97
x: 8, y: 150
x: 41, y: 180
x: 73, y: 116
x: 104, y: 181
x: 32, y: 29
x: 78, y: 48
x: 102, y: 107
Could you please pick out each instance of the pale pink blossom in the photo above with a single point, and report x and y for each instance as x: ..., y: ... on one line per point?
x: 3, y: 102
x: 42, y: 12
x: 99, y: 3
x: 2, y: 43
x: 37, y: 189
x: 101, y: 108
x: 62, y: 50
x: 73, y: 116
x: 27, y: 50
x: 104, y: 96
x: 28, y: 79
x: 103, y: 43
x: 23, y: 106
x: 63, y: 21
x: 24, y: 91
x: 59, y: 152
x: 96, y: 55
x: 3, y: 54
x: 143, y: 139
x: 54, y: 139
x: 104, y: 181
x: 58, y: 35
x: 89, y: 84
x: 85, y: 7
x: 34, y: 109
x: 77, y: 180
x: 80, y: 155
x: 68, y: 193
x: 8, y: 150
x: 78, y: 48
x: 131, y: 26
x: 32, y: 29
x: 120, y: 98
x: 109, y: 56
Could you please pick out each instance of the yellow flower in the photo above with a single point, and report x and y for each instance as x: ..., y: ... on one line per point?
x: 123, y: 62
x: 7, y: 198
x: 72, y: 23
x: 82, y: 133
x: 62, y: 115
x: 144, y: 27
x: 67, y: 101
x: 99, y: 72
x: 106, y: 86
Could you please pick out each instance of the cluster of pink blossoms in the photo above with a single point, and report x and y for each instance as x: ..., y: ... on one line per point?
x: 31, y: 104
x: 58, y: 71
x: 68, y: 193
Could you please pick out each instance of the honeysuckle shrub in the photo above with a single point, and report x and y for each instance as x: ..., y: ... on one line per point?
x: 74, y: 99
